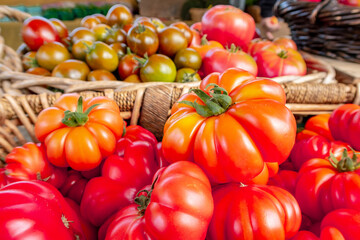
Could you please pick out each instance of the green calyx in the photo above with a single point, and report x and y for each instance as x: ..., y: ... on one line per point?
x: 79, y: 117
x: 283, y: 54
x: 215, y: 104
x: 233, y: 48
x: 346, y: 163
x: 204, y: 40
x: 140, y: 28
x: 144, y: 200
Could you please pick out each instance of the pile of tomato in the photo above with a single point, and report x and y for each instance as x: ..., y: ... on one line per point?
x: 118, y: 46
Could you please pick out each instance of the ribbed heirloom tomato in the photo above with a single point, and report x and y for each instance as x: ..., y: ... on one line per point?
x: 78, y: 134
x: 231, y: 130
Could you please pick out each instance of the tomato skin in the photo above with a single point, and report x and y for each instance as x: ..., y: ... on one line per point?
x: 101, y: 31
x: 37, y: 211
x: 204, y: 46
x: 344, y: 124
x: 82, y: 33
x: 142, y: 40
x: 29, y: 61
x: 188, y: 58
x: 316, y: 125
x: 274, y: 61
x: 119, y: 14
x: 285, y: 42
x: 74, y: 186
x: 128, y: 65
x: 38, y: 30
x: 171, y: 40
x: 304, y: 235
x: 253, y: 212
x: 80, y: 47
x: 227, y: 24
x: 285, y: 179
x: 187, y: 75
x: 101, y: 75
x: 195, y: 137
x: 74, y: 69
x: 321, y: 188
x: 89, y: 22
x: 116, y: 36
x: 83, y: 147
x: 51, y: 54
x: 176, y: 206
x: 158, y: 68
x: 39, y: 71
x: 257, y: 45
x: 60, y: 27
x: 26, y: 162
x: 102, y: 56
x: 218, y: 60
x: 185, y: 29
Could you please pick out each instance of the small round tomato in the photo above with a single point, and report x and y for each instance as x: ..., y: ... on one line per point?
x: 51, y: 54
x: 101, y: 75
x: 119, y: 14
x: 29, y: 60
x: 60, y: 27
x: 185, y: 29
x: 74, y: 69
x: 89, y: 22
x: 142, y: 40
x: 171, y: 40
x: 146, y: 22
x: 82, y: 33
x: 119, y: 48
x: 184, y: 75
x: 80, y: 48
x: 188, y: 58
x: 102, y: 56
x: 39, y: 71
x: 101, y: 17
x: 128, y: 65
x: 133, y: 78
x: 115, y: 36
x: 101, y: 31
x: 158, y: 68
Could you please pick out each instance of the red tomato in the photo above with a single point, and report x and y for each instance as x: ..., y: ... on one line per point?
x: 29, y: 162
x: 129, y: 65
x: 274, y: 61
x: 36, y: 210
x: 179, y: 206
x: 324, y: 185
x: 253, y: 212
x: 197, y: 27
x: 218, y: 60
x: 80, y: 142
x: 354, y: 3
x: 257, y: 45
x: 285, y: 42
x: 316, y: 125
x: 315, y: 147
x: 122, y: 177
x: 204, y: 46
x: 304, y: 235
x: 74, y: 186
x: 341, y: 224
x: 344, y: 124
x: 38, y: 30
x: 227, y: 25
x: 285, y: 179
x: 255, y: 112
x: 196, y: 40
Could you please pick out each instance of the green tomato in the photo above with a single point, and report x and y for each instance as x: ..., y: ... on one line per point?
x: 184, y: 75
x: 188, y: 58
x: 158, y: 68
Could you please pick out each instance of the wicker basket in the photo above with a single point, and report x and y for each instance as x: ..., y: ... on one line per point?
x: 327, y: 28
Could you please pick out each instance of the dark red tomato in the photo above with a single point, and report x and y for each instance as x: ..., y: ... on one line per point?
x: 158, y: 68
x: 89, y: 22
x: 74, y: 186
x: 101, y: 75
x: 120, y: 15
x: 80, y: 47
x: 29, y: 60
x: 142, y: 40
x: 116, y: 35
x: 51, y: 54
x: 219, y: 60
x: 227, y: 25
x: 36, y: 210
x: 315, y: 147
x: 179, y: 206
x: 82, y: 33
x: 74, y: 69
x: 253, y: 212
x: 29, y: 162
x: 122, y: 178
x: 128, y: 65
x: 38, y: 30
x: 102, y: 56
x: 60, y: 27
x: 187, y: 58
x: 171, y: 40
x: 285, y: 179
x: 185, y: 29
x: 39, y: 71
x: 344, y: 124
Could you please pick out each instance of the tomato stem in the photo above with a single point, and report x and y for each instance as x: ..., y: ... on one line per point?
x: 283, y: 54
x: 140, y: 28
x: 77, y: 118
x: 144, y: 200
x: 204, y: 40
x: 345, y: 164
x: 216, y: 102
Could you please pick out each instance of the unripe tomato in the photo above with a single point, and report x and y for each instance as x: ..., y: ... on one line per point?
x: 101, y: 17
x: 184, y: 75
x: 146, y: 22
x: 29, y: 61
x: 171, y: 40
x: 51, y: 54
x: 82, y: 33
x: 188, y: 58
x: 158, y: 68
x: 102, y: 56
x: 101, y: 31
x: 115, y: 36
x: 119, y: 14
x: 80, y: 48
x: 142, y: 40
x: 74, y: 69
x: 119, y: 48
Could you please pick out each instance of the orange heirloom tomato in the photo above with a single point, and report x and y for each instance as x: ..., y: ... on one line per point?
x: 205, y: 46
x: 231, y: 129
x: 316, y: 125
x: 79, y: 134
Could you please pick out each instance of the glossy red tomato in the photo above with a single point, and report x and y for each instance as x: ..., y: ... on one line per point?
x: 253, y: 212
x: 274, y: 61
x: 74, y: 186
x: 285, y: 179
x: 36, y: 210
x: 316, y: 125
x: 255, y: 112
x: 128, y: 65
x: 324, y: 185
x: 257, y: 45
x: 38, y: 30
x: 227, y: 25
x: 142, y: 40
x: 218, y: 60
x: 120, y: 15
x: 344, y: 124
x: 179, y: 206
x: 83, y: 140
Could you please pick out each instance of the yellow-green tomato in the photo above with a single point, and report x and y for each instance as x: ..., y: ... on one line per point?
x: 158, y: 68
x: 74, y: 69
x: 51, y: 54
x: 102, y: 56
x: 184, y: 75
x: 188, y: 58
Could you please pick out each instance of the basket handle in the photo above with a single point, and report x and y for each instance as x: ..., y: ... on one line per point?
x: 13, y: 13
x: 319, y: 7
